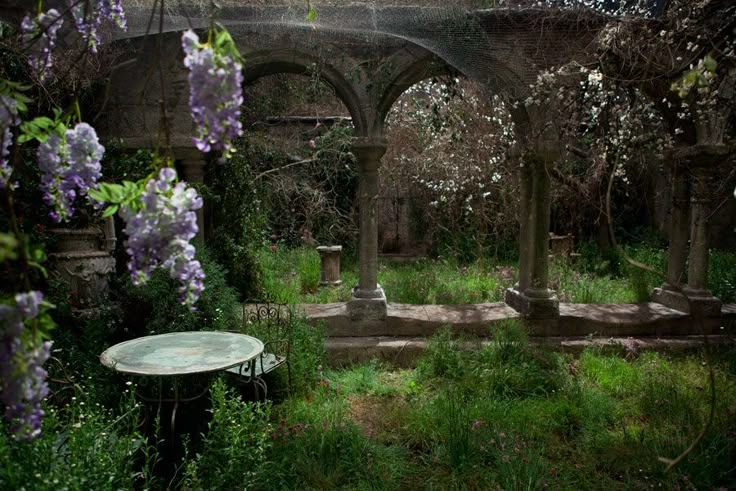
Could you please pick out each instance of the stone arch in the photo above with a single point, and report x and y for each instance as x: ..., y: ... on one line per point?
x: 429, y: 65
x: 272, y: 62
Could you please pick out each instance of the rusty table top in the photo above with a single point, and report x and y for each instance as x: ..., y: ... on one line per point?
x: 182, y: 353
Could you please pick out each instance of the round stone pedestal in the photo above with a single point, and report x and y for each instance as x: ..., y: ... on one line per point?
x: 330, y: 265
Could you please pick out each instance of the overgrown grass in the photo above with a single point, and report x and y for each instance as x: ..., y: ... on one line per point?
x: 501, y: 416
x: 292, y: 276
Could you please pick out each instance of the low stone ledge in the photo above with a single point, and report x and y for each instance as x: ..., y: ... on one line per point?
x: 405, y: 351
x: 616, y: 320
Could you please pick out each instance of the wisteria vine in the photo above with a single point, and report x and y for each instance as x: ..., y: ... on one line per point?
x: 71, y: 167
x: 160, y: 231
x: 22, y: 377
x: 39, y: 33
x: 90, y: 16
x: 8, y: 119
x: 159, y: 212
x: 216, y: 92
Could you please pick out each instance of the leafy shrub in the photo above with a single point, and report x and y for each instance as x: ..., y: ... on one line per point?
x: 155, y: 307
x: 236, y: 446
x: 82, y: 446
x: 239, y: 218
x: 77, y: 347
x: 307, y: 354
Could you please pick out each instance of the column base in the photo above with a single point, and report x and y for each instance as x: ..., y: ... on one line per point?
x: 533, y: 307
x: 368, y: 305
x: 330, y: 283
x: 700, y: 303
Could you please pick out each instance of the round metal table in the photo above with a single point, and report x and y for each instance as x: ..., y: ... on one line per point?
x: 182, y: 353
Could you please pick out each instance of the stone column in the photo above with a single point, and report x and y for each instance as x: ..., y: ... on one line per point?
x: 679, y: 235
x: 542, y: 203
x: 368, y: 301
x: 702, y: 162
x: 532, y: 297
x: 526, y: 225
x: 329, y: 274
x: 704, y: 168
x: 192, y: 163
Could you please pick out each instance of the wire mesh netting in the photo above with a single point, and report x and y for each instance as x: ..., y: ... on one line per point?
x: 478, y: 38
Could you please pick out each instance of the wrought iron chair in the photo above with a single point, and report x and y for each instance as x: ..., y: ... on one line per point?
x: 272, y: 324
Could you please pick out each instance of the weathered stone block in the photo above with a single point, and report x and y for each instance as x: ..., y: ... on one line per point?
x: 360, y: 308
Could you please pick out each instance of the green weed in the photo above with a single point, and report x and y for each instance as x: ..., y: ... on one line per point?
x: 235, y: 447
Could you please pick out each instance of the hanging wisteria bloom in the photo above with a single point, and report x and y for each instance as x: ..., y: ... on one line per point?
x: 22, y: 377
x: 71, y: 167
x: 216, y: 94
x: 8, y: 119
x: 91, y: 15
x: 159, y: 235
x: 39, y: 34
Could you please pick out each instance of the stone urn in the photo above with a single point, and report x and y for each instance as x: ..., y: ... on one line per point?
x: 82, y: 260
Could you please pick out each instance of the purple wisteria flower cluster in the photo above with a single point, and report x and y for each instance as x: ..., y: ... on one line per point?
x: 8, y: 118
x: 71, y: 167
x: 39, y: 34
x: 91, y: 15
x: 22, y: 377
x: 216, y: 94
x: 159, y: 235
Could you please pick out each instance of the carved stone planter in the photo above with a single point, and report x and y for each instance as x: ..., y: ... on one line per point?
x: 81, y: 259
x: 330, y: 265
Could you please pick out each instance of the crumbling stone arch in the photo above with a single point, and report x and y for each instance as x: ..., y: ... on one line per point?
x: 272, y: 62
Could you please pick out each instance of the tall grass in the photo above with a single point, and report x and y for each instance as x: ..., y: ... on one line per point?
x: 292, y: 276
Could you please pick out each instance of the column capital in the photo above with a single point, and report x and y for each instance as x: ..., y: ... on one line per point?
x: 369, y: 150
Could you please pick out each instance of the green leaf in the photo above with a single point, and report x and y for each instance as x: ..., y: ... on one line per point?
x: 40, y: 129
x: 108, y: 193
x: 312, y: 14
x: 98, y: 195
x: 110, y: 211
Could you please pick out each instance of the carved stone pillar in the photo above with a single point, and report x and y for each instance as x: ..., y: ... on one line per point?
x: 532, y: 297
x: 193, y: 164
x: 368, y: 301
